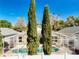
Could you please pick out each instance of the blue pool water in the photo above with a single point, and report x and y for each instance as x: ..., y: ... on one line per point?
x: 39, y: 50
x: 21, y: 50
x: 55, y: 49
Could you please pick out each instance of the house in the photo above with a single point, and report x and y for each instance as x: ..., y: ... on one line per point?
x: 67, y: 37
x: 11, y: 38
x: 57, y: 38
x: 73, y: 38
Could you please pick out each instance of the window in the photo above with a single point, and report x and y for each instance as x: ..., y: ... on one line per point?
x: 54, y: 37
x: 20, y: 39
x: 71, y: 42
x: 6, y: 44
x: 55, y: 40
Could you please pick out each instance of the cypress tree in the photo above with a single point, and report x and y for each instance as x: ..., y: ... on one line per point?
x: 32, y: 38
x: 46, y: 32
x: 1, y: 44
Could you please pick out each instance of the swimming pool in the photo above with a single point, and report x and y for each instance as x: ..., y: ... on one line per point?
x: 25, y: 51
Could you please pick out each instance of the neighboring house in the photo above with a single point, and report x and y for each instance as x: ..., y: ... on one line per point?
x: 11, y: 38
x: 68, y: 37
x: 71, y: 32
x: 57, y: 38
x: 73, y: 37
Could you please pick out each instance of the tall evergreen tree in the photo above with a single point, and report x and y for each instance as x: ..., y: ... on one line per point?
x: 46, y: 32
x: 1, y: 44
x: 32, y: 30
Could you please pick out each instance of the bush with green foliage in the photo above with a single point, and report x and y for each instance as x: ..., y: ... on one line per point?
x: 19, y: 28
x: 77, y: 21
x: 1, y: 44
x: 70, y: 21
x: 5, y: 23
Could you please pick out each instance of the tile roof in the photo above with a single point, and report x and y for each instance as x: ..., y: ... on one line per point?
x: 69, y: 30
x: 8, y: 31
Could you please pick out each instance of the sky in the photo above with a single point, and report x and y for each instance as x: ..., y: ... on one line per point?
x: 12, y: 9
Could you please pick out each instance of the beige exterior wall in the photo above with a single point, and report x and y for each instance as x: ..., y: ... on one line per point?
x: 24, y: 39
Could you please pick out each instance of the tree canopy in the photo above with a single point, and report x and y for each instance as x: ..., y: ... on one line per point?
x: 5, y: 23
